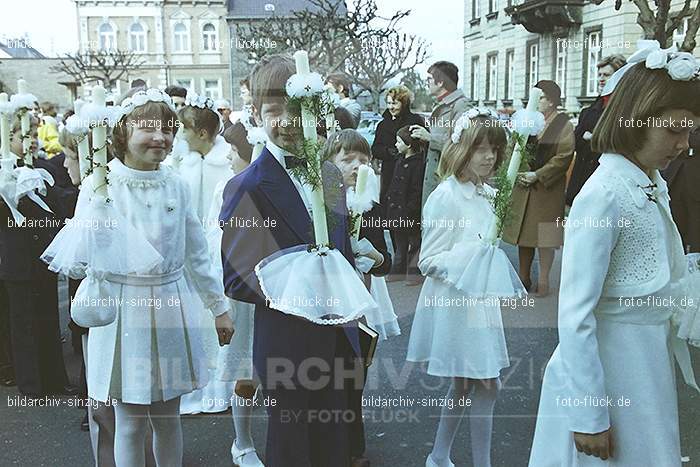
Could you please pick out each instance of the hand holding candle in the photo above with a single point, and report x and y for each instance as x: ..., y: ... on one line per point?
x: 360, y: 189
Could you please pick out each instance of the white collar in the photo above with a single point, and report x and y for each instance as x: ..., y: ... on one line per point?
x: 278, y: 152
x: 217, y: 155
x: 469, y: 189
x: 634, y: 177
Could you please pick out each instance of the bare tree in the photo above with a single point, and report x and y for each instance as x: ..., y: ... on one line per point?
x: 383, y: 58
x: 108, y: 66
x: 356, y: 40
x: 661, y: 24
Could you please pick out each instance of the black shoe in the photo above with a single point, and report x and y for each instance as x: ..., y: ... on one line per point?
x: 8, y: 380
x: 85, y: 425
x: 67, y: 390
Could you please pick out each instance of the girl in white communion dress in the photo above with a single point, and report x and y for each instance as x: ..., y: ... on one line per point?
x: 152, y: 352
x: 460, y: 338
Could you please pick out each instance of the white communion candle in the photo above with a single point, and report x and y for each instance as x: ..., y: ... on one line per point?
x: 99, y: 138
x: 308, y: 123
x: 301, y: 57
x: 4, y: 129
x: 83, y: 154
x: 535, y: 94
x: 77, y: 105
x: 21, y: 86
x: 360, y: 188
x: 25, y: 124
x: 516, y: 159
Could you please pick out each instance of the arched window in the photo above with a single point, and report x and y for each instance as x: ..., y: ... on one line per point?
x: 137, y: 38
x: 108, y: 38
x: 209, y: 37
x: 180, y: 38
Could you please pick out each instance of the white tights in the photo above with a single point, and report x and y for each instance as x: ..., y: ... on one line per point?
x: 130, y: 433
x: 482, y: 394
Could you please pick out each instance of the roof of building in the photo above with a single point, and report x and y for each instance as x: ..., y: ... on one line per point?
x: 18, y: 48
x: 265, y: 8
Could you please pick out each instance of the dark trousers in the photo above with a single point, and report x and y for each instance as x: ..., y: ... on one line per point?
x: 406, y: 249
x: 36, y: 339
x: 5, y: 345
x: 357, y: 426
x: 309, y: 422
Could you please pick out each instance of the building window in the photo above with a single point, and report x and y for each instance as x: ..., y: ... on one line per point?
x: 594, y: 54
x: 212, y: 88
x: 181, y: 38
x: 209, y: 37
x: 531, y: 74
x: 475, y: 9
x: 492, y: 77
x: 510, y: 74
x: 475, y: 79
x: 137, y: 38
x: 185, y: 83
x: 108, y: 37
x: 560, y: 63
x: 493, y: 6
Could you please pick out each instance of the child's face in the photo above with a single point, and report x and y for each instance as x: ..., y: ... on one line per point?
x: 148, y: 144
x: 483, y: 160
x: 196, y: 140
x: 667, y: 139
x: 72, y: 165
x: 245, y: 95
x: 349, y: 163
x: 281, y: 129
x: 16, y: 140
x: 401, y: 146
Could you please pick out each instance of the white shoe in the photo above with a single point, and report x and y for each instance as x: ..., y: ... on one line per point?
x: 429, y: 462
x: 245, y: 457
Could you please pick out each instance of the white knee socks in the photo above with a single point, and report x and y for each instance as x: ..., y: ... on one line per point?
x: 483, y: 399
x: 449, y: 424
x: 131, y: 422
x: 130, y: 432
x: 167, y: 432
x: 242, y: 413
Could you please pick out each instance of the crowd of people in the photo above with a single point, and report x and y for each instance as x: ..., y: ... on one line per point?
x: 215, y: 341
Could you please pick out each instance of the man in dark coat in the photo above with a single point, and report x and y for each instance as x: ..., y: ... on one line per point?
x: 682, y: 176
x: 586, y: 161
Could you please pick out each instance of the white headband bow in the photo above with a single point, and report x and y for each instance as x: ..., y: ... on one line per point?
x: 681, y: 66
x: 464, y: 120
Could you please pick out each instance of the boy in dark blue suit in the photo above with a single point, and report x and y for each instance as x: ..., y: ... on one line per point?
x: 301, y: 365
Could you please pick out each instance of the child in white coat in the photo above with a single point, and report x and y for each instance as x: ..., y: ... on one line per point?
x: 203, y: 167
x: 609, y: 390
x: 460, y: 338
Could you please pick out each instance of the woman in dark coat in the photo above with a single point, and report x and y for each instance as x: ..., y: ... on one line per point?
x: 397, y: 114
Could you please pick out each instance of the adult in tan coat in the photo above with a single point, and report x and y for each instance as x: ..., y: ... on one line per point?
x: 539, y: 192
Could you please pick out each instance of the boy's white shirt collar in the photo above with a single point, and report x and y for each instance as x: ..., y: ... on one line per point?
x: 278, y: 152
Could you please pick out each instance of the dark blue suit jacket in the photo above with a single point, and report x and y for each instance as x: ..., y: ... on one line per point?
x: 263, y: 213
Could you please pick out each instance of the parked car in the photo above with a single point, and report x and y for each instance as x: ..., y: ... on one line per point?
x: 368, y: 125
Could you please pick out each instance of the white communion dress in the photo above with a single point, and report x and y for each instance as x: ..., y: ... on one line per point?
x: 153, y: 350
x: 622, y: 266
x: 235, y: 361
x: 203, y: 174
x: 458, y: 335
